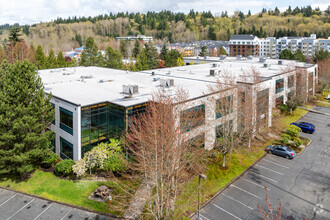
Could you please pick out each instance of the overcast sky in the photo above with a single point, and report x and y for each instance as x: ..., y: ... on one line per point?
x: 34, y: 11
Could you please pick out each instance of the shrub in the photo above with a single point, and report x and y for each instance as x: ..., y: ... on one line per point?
x: 64, y: 168
x: 297, y: 141
x: 284, y: 108
x: 49, y: 160
x: 115, y: 162
x: 293, y: 131
x: 285, y: 138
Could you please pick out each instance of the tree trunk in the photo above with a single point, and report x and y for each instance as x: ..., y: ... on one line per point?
x: 290, y: 111
x: 249, y: 144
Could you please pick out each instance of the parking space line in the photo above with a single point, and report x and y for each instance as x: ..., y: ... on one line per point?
x: 276, y: 163
x: 66, y: 214
x: 203, y: 217
x: 254, y: 183
x: 263, y: 176
x: 8, y: 199
x: 226, y: 211
x: 21, y: 209
x: 245, y: 191
x: 237, y: 201
x: 43, y: 211
x: 269, y: 169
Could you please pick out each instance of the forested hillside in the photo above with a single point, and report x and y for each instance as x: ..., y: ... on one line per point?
x: 65, y: 34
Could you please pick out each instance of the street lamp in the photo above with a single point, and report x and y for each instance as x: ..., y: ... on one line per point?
x: 199, y: 192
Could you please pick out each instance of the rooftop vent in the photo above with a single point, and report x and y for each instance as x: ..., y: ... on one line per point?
x: 262, y: 60
x: 129, y: 90
x: 152, y: 73
x: 166, y: 82
x: 214, y: 65
x: 169, y: 72
x: 266, y: 65
x: 250, y: 57
x: 222, y: 57
x: 156, y: 79
x: 86, y: 76
x: 280, y: 62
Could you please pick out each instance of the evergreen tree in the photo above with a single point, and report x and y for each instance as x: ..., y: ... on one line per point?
x: 249, y: 13
x: 211, y: 34
x: 136, y: 49
x: 41, y: 58
x: 25, y: 114
x: 113, y: 59
x: 89, y: 55
x: 60, y: 60
x: 142, y: 61
x: 286, y: 54
x: 123, y: 48
x: 15, y: 34
x: 152, y: 56
x: 51, y: 59
x: 163, y: 53
x: 171, y: 59
x: 228, y: 34
x: 298, y: 55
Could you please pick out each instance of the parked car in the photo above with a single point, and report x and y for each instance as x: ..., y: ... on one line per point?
x: 305, y: 127
x: 281, y: 151
x: 328, y: 97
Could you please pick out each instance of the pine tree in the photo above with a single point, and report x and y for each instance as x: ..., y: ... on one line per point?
x: 89, y: 55
x: 163, y: 52
x: 60, y: 60
x: 136, y: 50
x: 51, y: 59
x: 142, y: 61
x: 15, y: 34
x: 223, y: 51
x: 113, y: 59
x: 298, y: 55
x: 286, y: 54
x: 25, y: 114
x: 41, y: 58
x: 123, y: 48
x: 152, y: 56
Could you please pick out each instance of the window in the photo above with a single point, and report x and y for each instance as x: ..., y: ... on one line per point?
x: 192, y: 117
x: 224, y: 106
x: 290, y: 81
x: 279, y: 85
x: 66, y: 120
x: 66, y: 149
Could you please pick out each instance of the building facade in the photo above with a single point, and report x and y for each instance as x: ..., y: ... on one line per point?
x: 244, y: 45
x: 94, y: 104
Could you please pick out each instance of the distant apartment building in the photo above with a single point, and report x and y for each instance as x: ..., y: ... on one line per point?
x: 244, y: 45
x: 140, y: 37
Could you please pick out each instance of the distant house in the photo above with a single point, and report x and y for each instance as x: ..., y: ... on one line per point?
x: 141, y: 37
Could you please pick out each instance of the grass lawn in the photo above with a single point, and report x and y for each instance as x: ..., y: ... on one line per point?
x: 47, y: 185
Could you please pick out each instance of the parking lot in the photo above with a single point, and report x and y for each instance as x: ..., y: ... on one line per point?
x: 17, y: 206
x: 302, y: 184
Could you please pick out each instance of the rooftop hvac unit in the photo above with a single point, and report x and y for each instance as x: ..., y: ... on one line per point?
x: 214, y: 72
x: 222, y: 57
x: 250, y: 57
x: 262, y: 60
x: 280, y: 62
x: 265, y: 65
x: 239, y: 57
x: 86, y: 77
x: 166, y: 82
x: 130, y: 89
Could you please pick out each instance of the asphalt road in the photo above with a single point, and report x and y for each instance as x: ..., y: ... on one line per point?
x: 302, y: 184
x: 17, y: 206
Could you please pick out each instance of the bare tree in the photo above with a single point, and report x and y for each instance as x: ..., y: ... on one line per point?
x: 324, y: 73
x: 160, y: 152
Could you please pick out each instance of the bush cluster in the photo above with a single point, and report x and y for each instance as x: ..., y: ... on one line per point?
x: 64, y: 168
x: 49, y: 160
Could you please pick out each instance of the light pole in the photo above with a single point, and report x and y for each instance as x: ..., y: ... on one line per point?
x: 199, y: 192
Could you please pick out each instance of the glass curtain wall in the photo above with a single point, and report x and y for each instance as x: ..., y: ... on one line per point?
x: 104, y: 121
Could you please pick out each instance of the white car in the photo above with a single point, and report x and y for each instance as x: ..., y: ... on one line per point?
x: 328, y: 97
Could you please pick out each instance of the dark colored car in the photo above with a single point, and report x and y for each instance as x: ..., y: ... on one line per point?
x: 305, y: 127
x: 281, y: 151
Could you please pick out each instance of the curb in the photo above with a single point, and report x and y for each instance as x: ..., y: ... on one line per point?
x: 305, y: 147
x: 62, y: 203
x: 226, y: 186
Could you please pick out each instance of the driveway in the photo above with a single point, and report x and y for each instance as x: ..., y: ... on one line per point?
x: 301, y: 184
x: 18, y: 206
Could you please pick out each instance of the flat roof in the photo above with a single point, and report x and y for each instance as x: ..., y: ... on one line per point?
x: 67, y: 83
